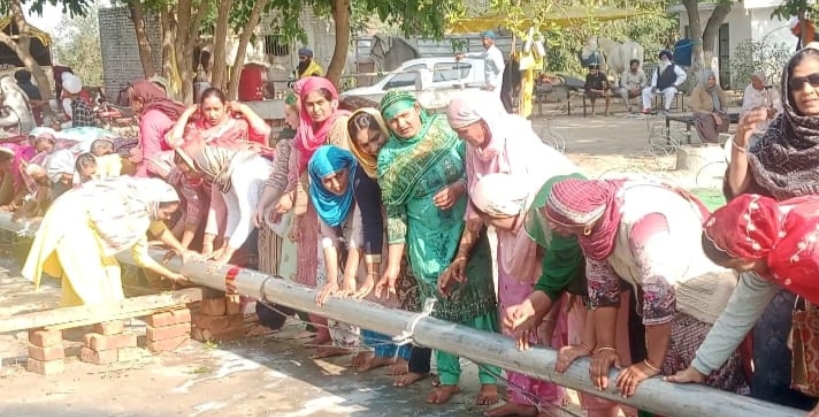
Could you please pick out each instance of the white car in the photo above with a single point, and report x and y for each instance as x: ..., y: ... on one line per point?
x: 433, y: 80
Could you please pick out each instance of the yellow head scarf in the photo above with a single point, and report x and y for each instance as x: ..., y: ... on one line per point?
x: 368, y: 162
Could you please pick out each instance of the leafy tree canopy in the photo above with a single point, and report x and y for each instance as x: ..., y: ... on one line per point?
x: 72, y: 8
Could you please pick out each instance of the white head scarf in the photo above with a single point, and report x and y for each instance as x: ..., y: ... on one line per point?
x: 59, y: 163
x: 72, y: 83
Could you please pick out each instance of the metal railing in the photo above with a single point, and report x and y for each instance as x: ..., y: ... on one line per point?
x: 653, y: 395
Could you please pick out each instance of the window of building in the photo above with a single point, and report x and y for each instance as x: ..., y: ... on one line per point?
x: 276, y: 45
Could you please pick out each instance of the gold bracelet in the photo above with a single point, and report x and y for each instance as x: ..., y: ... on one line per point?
x: 604, y: 348
x: 650, y: 366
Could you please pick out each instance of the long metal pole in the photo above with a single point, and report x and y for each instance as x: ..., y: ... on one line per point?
x: 653, y: 395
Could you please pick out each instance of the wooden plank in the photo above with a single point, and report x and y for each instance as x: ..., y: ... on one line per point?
x: 67, y: 317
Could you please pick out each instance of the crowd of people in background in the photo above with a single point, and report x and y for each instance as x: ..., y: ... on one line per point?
x: 392, y: 203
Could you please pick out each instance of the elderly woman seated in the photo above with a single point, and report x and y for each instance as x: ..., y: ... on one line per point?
x: 710, y: 108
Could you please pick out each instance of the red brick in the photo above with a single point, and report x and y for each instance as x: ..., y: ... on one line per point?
x: 129, y: 354
x: 99, y: 342
x: 45, y: 367
x: 45, y: 337
x: 46, y: 353
x: 167, y: 332
x: 224, y: 335
x: 236, y: 320
x: 211, y: 323
x: 168, y: 345
x: 169, y: 318
x: 99, y: 357
x: 233, y: 304
x: 213, y: 306
x: 110, y: 327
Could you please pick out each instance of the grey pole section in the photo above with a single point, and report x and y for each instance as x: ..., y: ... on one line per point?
x: 653, y: 395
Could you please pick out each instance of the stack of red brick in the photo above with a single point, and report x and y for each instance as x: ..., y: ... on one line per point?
x: 46, y: 353
x: 221, y: 319
x: 168, y: 330
x: 110, y: 343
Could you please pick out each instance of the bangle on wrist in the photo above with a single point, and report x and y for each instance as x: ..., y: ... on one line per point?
x: 650, y: 366
x: 605, y: 348
x: 737, y: 147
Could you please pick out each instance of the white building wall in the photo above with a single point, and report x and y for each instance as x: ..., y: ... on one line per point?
x: 750, y: 19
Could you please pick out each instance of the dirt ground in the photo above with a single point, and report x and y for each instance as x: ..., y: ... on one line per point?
x: 274, y: 375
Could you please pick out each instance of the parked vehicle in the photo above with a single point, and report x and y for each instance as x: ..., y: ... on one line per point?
x: 433, y: 80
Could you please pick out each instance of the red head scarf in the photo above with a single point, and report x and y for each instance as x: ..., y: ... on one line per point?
x: 785, y: 234
x: 311, y: 136
x: 153, y: 98
x: 578, y: 203
x: 747, y: 228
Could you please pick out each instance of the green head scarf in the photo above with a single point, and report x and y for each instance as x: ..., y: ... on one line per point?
x: 564, y: 262
x: 291, y: 99
x: 396, y: 102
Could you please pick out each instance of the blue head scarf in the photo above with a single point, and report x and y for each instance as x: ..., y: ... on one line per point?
x: 488, y: 34
x: 306, y: 52
x: 329, y: 159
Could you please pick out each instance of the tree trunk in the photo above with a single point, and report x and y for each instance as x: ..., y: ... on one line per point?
x: 711, y: 33
x: 169, y: 69
x: 23, y: 51
x: 146, y: 55
x: 220, y: 35
x: 244, y: 40
x: 187, y: 34
x: 340, y: 10
x: 695, y: 34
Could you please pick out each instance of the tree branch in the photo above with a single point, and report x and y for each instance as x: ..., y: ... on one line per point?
x: 244, y: 40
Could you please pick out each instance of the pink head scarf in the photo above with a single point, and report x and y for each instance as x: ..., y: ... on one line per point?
x: 311, y: 136
x: 477, y: 105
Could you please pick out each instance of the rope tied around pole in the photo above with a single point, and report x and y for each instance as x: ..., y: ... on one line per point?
x: 406, y: 337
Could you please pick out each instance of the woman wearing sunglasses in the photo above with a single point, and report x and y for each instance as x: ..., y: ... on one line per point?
x: 784, y: 164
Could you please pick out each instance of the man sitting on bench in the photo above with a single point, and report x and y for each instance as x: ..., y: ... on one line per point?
x: 597, y: 85
x: 665, y: 80
x: 632, y: 82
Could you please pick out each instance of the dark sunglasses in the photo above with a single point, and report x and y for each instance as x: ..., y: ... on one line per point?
x: 798, y: 83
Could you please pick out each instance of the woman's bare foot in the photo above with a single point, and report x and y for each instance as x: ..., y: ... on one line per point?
x: 400, y: 367
x: 443, y: 394
x: 512, y: 409
x: 408, y: 379
x: 375, y: 362
x: 362, y: 358
x: 488, y: 395
x: 329, y: 352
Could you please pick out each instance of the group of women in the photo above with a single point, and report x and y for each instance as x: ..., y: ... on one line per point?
x: 391, y: 203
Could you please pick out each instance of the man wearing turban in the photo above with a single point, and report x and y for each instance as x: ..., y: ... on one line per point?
x: 308, y: 67
x: 666, y: 79
x: 81, y: 112
x: 493, y: 62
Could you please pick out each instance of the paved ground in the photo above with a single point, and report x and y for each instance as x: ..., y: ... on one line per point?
x: 273, y: 375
